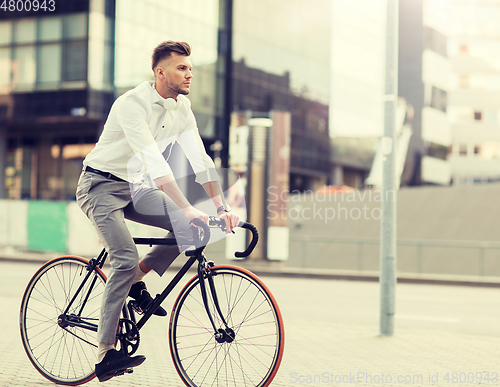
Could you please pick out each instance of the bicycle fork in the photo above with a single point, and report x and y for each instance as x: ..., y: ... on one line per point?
x: 221, y: 335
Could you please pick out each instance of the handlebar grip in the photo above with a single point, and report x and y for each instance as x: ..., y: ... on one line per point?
x: 206, y: 231
x: 253, y: 243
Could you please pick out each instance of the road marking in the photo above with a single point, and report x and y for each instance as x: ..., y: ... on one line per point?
x: 427, y: 318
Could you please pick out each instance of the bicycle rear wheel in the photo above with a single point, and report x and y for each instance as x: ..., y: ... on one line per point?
x: 253, y: 357
x: 62, y: 353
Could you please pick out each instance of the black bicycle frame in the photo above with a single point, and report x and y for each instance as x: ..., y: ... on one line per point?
x: 194, y: 255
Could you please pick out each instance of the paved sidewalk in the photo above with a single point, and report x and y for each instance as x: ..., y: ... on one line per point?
x: 330, y: 340
x: 332, y: 354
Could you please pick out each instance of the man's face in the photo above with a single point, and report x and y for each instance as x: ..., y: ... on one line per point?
x: 175, y: 74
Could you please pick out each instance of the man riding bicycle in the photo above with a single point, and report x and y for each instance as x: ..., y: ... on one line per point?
x: 126, y: 176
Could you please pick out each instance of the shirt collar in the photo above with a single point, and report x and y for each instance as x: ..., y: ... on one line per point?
x: 156, y: 97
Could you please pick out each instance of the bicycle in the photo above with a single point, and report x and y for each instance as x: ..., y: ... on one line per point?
x: 225, y: 326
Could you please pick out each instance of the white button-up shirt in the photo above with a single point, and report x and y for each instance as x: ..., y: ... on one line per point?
x: 139, y: 129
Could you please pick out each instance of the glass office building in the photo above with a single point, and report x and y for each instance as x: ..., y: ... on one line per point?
x: 281, y: 54
x: 56, y: 86
x: 61, y: 70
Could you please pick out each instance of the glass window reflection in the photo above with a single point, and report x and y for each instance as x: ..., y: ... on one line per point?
x: 49, y: 63
x: 75, y: 61
x: 49, y: 29
x: 24, y: 67
x: 5, y: 32
x: 24, y: 31
x: 5, y: 69
x: 75, y: 26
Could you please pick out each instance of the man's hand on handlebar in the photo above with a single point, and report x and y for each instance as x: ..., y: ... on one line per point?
x: 193, y: 213
x: 232, y: 220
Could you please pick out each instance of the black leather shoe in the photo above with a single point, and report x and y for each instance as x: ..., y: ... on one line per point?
x: 139, y: 293
x: 116, y: 363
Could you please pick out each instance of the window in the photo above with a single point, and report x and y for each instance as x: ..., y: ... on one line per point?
x: 463, y: 81
x: 437, y: 150
x: 5, y: 32
x: 49, y: 29
x: 463, y: 150
x: 478, y: 116
x: 49, y: 63
x: 435, y: 97
x: 24, y: 31
x: 75, y: 26
x: 477, y: 149
x: 24, y: 66
x: 75, y: 61
x: 4, y: 68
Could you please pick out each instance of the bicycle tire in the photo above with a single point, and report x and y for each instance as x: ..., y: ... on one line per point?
x: 249, y: 308
x: 65, y: 356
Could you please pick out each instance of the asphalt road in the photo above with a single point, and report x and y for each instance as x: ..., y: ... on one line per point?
x: 331, y: 330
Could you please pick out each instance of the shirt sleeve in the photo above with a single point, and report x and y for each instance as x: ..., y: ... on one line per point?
x: 192, y: 145
x: 132, y: 117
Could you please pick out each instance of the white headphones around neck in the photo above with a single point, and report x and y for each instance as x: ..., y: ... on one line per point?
x: 169, y: 103
x: 172, y: 104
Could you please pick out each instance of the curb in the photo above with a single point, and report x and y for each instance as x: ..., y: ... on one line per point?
x: 326, y: 274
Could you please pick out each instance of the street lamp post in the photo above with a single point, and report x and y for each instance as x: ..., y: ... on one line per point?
x: 389, y: 188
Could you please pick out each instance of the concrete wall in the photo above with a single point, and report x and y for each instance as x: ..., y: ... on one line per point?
x: 61, y: 228
x: 439, y: 215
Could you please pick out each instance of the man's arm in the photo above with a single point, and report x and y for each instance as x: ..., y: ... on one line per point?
x: 168, y: 185
x: 214, y: 190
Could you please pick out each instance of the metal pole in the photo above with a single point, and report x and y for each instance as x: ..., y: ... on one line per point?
x: 389, y: 189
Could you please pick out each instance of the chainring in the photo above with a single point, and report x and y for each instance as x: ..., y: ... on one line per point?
x: 128, y: 336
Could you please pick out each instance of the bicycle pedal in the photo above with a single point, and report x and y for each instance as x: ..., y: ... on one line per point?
x: 135, y: 306
x: 123, y: 372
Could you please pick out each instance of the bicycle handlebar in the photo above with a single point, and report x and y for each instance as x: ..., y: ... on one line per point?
x: 253, y: 243
x: 213, y: 221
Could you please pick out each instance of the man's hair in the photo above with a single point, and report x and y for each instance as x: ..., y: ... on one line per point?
x: 165, y: 49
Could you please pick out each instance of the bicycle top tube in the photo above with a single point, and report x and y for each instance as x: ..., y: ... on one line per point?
x: 202, y: 242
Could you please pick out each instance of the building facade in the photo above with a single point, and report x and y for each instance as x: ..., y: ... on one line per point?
x: 282, y: 61
x: 474, y: 104
x: 56, y: 86
x: 61, y: 70
x: 424, y: 73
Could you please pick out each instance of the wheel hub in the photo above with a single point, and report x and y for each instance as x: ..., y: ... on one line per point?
x: 62, y: 321
x: 225, y: 335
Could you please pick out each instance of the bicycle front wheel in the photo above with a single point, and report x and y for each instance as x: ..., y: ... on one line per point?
x: 62, y: 352
x: 252, y: 351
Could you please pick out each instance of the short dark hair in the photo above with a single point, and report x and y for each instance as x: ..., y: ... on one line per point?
x: 165, y: 49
